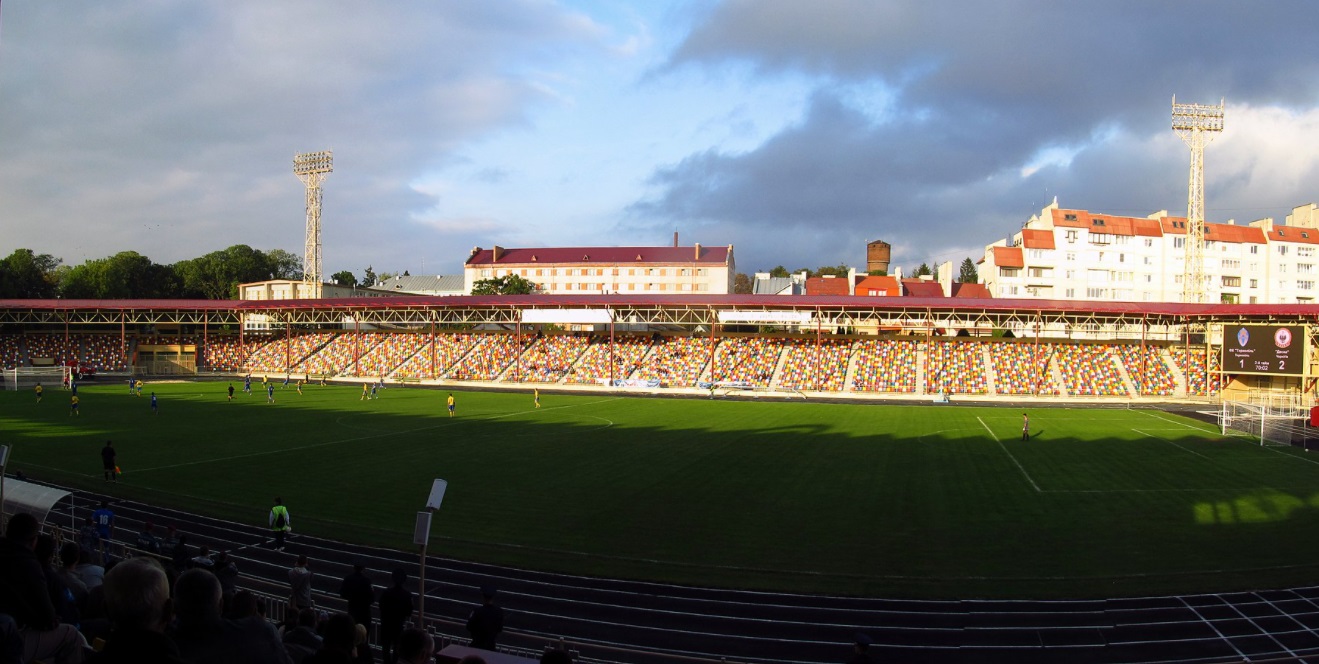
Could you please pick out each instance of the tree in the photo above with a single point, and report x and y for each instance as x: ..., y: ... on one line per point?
x: 125, y: 275
x: 284, y: 264
x: 509, y: 284
x: 26, y: 274
x: 778, y: 271
x: 878, y: 273
x: 742, y: 284
x: 344, y: 278
x: 217, y: 275
x: 368, y: 278
x: 922, y: 270
x: 839, y: 270
x: 968, y: 274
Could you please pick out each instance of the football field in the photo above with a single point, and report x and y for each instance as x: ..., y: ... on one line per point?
x: 901, y: 501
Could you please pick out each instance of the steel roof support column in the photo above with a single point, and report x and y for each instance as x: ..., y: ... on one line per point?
x: 357, y: 346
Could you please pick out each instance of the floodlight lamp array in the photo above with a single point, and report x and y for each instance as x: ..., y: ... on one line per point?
x: 1193, y: 117
x: 313, y: 162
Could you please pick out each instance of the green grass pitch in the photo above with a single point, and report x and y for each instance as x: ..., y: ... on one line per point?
x: 900, y: 501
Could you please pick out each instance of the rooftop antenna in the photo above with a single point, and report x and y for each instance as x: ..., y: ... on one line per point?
x: 1196, y: 124
x: 311, y: 168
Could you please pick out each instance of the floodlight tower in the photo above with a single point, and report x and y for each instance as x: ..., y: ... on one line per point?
x: 311, y: 168
x: 1196, y: 124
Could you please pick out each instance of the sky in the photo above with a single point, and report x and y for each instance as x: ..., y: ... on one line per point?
x: 795, y: 131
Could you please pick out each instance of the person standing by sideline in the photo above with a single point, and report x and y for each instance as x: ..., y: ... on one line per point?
x: 280, y: 523
x: 108, y: 462
x: 396, y: 607
x: 1025, y: 426
x: 451, y: 403
x: 486, y: 621
x: 535, y: 393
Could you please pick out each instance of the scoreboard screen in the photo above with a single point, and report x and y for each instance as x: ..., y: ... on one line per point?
x: 1266, y: 349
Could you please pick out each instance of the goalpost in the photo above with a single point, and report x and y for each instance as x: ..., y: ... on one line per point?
x: 23, y: 378
x: 1270, y: 422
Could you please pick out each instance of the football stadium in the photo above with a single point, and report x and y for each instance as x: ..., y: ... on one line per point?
x: 721, y: 478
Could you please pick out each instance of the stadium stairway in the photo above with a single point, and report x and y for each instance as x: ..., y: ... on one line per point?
x: 991, y: 375
x: 1127, y: 383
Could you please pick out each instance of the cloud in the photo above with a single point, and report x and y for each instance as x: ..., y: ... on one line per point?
x: 188, y: 116
x: 990, y: 110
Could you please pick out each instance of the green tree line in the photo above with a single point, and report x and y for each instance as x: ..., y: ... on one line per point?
x: 128, y: 275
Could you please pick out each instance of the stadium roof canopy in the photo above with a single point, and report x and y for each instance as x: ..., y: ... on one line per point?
x: 906, y: 312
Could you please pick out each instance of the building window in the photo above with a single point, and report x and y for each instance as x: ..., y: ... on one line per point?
x: 1305, y: 268
x: 1231, y: 282
x: 1254, y: 248
x: 1149, y: 242
x: 1282, y: 267
x: 700, y: 272
x: 1305, y: 285
x: 1096, y: 293
x: 1071, y: 255
x: 1097, y: 276
x: 1305, y: 252
x: 1282, y: 250
x: 1069, y: 293
x: 1229, y: 264
x: 1178, y: 242
x: 1009, y: 271
x: 1100, y: 238
x: 1071, y: 237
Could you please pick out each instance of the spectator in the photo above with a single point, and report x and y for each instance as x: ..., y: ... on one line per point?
x: 302, y: 641
x: 202, y: 560
x: 27, y: 600
x: 11, y: 642
x: 66, y: 605
x: 300, y: 585
x: 860, y: 649
x: 180, y: 554
x: 395, y: 608
x: 361, y: 649
x: 89, y: 538
x: 138, y: 603
x: 415, y: 646
x: 337, y: 641
x: 486, y: 621
x: 89, y: 572
x: 171, y: 539
x: 357, y: 589
x: 205, y: 637
x: 69, y: 556
x: 147, y: 540
x: 226, y: 570
x: 555, y: 656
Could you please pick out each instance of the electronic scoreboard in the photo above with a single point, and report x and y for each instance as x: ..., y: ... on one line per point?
x: 1280, y: 350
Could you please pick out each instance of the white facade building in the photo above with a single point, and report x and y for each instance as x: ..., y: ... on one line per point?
x: 1065, y: 254
x: 694, y: 270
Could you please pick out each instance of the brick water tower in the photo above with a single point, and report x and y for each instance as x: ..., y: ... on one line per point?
x: 877, y: 256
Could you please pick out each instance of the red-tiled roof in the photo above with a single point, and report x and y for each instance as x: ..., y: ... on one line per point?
x: 873, y: 286
x: 1293, y: 234
x: 919, y: 288
x: 826, y: 286
x: 1231, y: 233
x: 1071, y: 218
x: 603, y: 255
x: 1008, y: 257
x: 970, y: 290
x: 1032, y: 238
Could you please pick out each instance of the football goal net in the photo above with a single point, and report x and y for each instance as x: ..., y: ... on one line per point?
x: 25, y: 378
x: 1270, y: 423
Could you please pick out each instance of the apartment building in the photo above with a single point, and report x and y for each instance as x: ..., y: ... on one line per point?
x: 599, y: 270
x: 1063, y: 254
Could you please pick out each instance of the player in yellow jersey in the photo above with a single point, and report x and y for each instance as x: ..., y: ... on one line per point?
x: 38, y: 389
x: 366, y: 391
x: 299, y: 386
x: 535, y: 393
x: 73, y: 405
x: 452, y: 404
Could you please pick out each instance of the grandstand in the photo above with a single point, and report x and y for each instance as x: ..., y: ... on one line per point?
x: 1078, y: 353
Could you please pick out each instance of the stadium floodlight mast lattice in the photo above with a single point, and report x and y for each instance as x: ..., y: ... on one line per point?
x: 1196, y: 124
x: 311, y: 168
